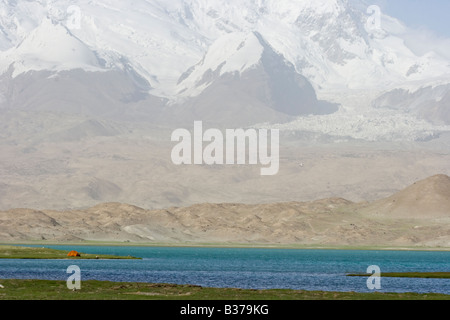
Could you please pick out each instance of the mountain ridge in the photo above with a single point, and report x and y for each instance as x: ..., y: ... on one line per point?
x: 159, y: 47
x: 323, y: 222
x: 323, y: 36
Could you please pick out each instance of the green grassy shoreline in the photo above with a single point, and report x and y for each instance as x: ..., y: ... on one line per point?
x: 23, y: 252
x: 102, y: 290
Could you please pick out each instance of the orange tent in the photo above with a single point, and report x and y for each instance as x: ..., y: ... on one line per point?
x: 73, y: 254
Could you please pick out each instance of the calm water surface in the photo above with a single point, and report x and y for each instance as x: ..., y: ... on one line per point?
x: 244, y: 268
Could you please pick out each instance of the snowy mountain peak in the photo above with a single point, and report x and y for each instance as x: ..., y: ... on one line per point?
x: 51, y: 47
x: 245, y: 65
x: 231, y: 53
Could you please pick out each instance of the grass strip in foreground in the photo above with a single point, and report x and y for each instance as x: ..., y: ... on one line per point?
x: 101, y: 290
x: 15, y: 252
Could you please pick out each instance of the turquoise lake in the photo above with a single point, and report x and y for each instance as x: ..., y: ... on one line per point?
x: 244, y: 268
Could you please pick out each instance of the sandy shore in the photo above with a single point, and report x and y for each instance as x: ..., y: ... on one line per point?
x: 228, y: 245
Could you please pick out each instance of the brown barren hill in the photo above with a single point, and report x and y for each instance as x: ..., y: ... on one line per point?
x: 425, y: 199
x: 417, y: 216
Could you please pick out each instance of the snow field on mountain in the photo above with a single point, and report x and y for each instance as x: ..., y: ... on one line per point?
x: 181, y: 47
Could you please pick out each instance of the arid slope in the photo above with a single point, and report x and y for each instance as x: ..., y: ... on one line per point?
x: 417, y: 216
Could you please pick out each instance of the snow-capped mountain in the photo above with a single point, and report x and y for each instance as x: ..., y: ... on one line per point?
x: 328, y: 41
x: 57, y: 52
x: 233, y: 52
x: 197, y: 53
x: 245, y: 64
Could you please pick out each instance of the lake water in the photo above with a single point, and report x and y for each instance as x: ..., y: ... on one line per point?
x: 244, y: 268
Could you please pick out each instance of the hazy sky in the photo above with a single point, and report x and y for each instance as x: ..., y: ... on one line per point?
x: 430, y: 14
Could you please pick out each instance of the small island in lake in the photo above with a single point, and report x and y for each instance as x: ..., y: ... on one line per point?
x: 18, y: 252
